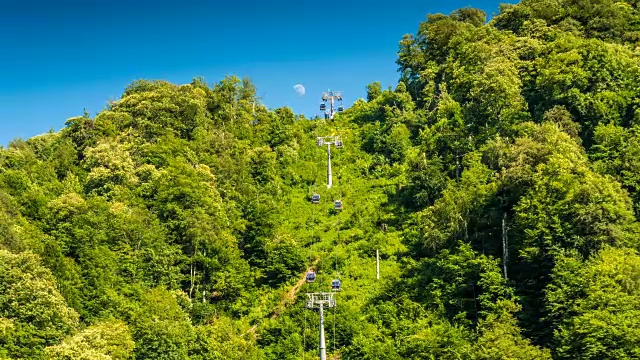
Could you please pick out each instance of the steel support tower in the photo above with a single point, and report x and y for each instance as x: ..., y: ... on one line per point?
x: 329, y: 140
x: 319, y: 301
x: 331, y: 97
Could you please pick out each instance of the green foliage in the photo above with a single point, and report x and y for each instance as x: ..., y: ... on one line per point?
x: 603, y: 19
x: 499, y: 338
x: 596, y: 305
x: 600, y: 211
x: 374, y: 90
x: 617, y: 153
x: 448, y: 219
x: 108, y: 340
x: 223, y: 339
x: 283, y: 260
x: 417, y: 335
x: 33, y: 312
x: 160, y: 327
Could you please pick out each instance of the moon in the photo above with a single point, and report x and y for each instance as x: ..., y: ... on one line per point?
x: 299, y: 89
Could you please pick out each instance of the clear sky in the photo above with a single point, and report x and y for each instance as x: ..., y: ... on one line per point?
x: 60, y: 57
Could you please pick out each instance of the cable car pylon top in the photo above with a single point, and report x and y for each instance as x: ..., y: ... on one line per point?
x: 331, y: 97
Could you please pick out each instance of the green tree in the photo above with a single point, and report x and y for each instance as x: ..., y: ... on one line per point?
x: 221, y: 339
x: 374, y: 90
x: 160, y: 328
x: 34, y: 313
x: 596, y: 305
x: 109, y: 340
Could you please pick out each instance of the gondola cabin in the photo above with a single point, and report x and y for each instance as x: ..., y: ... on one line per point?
x: 335, y: 285
x: 339, y: 144
x: 315, y: 199
x: 323, y: 107
x: 311, y: 277
x: 340, y: 109
x: 337, y: 204
x: 320, y: 141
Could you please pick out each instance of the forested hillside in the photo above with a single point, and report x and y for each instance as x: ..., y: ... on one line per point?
x: 499, y: 180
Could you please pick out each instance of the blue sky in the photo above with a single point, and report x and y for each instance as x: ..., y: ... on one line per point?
x: 59, y: 57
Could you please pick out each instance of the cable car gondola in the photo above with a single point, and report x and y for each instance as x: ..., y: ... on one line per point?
x: 315, y: 199
x: 323, y: 107
x: 339, y: 144
x: 337, y: 204
x: 311, y: 277
x: 335, y: 285
x: 340, y: 109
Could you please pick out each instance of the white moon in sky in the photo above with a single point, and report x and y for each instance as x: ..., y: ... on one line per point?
x: 299, y: 89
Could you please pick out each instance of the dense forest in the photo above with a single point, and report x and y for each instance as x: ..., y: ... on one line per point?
x: 499, y: 180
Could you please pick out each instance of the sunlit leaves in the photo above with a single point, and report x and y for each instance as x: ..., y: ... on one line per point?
x: 597, y: 306
x: 109, y: 340
x: 34, y: 312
